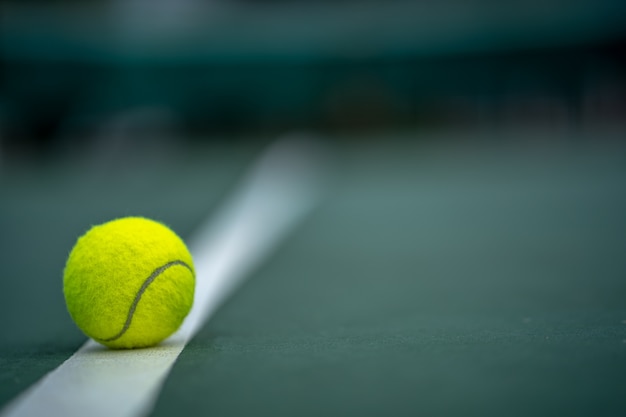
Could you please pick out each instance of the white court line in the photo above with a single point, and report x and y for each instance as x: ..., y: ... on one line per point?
x: 282, y: 188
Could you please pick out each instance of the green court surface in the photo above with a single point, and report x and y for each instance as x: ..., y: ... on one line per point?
x: 442, y: 275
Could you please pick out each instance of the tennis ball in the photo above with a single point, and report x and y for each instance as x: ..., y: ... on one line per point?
x: 129, y: 283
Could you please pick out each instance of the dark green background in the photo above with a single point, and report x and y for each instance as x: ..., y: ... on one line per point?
x: 436, y: 278
x: 469, y: 258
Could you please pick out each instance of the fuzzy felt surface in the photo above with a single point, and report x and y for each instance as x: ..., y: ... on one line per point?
x: 129, y: 283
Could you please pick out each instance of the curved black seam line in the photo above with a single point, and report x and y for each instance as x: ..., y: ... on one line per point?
x: 143, y: 288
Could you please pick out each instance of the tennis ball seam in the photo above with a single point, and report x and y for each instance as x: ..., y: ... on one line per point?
x: 140, y: 293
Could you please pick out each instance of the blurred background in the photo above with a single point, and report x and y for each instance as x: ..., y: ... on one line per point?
x: 96, y: 75
x: 157, y: 108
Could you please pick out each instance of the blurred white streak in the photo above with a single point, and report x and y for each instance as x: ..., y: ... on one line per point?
x: 164, y: 14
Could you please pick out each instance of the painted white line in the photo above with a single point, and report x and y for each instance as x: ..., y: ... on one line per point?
x: 281, y: 189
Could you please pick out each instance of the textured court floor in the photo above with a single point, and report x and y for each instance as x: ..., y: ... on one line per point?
x: 442, y: 275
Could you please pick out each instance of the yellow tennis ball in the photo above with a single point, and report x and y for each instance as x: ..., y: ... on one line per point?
x: 129, y: 283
